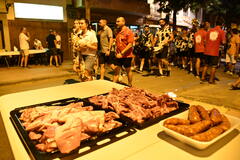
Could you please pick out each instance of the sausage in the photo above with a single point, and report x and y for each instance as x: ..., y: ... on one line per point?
x: 203, y: 113
x: 176, y: 121
x: 215, y: 116
x: 190, y: 130
x: 214, y: 131
x: 225, y: 125
x: 193, y: 115
x: 209, y: 134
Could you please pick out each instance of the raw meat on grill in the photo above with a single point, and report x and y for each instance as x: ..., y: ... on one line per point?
x: 136, y: 104
x: 64, y: 127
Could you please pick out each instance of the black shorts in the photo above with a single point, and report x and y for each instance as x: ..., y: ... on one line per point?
x: 183, y: 54
x: 211, y: 61
x: 59, y: 52
x: 53, y: 51
x: 103, y: 59
x: 125, y: 62
x: 198, y: 55
x: 163, y: 53
x: 145, y: 54
x: 191, y: 52
x: 178, y: 53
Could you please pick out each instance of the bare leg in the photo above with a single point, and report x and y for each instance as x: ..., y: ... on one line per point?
x: 22, y: 61
x: 133, y: 61
x: 160, y: 66
x: 102, y: 71
x: 150, y: 63
x: 204, y: 72
x: 51, y: 58
x: 142, y: 64
x: 26, y: 61
x: 116, y: 70
x: 212, y: 75
x: 236, y: 83
x: 166, y: 63
x: 129, y: 74
x: 60, y: 59
x: 191, y: 64
x: 56, y: 60
x: 184, y: 62
x: 197, y: 65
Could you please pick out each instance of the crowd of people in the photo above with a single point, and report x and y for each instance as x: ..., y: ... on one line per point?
x: 53, y: 42
x: 195, y: 50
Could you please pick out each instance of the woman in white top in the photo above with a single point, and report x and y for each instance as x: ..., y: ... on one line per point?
x: 87, y: 46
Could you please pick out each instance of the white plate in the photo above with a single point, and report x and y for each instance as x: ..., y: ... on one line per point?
x: 198, y: 144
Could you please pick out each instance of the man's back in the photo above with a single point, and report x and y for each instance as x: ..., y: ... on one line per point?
x: 214, y: 38
x: 105, y: 36
x: 50, y: 41
x: 199, y: 40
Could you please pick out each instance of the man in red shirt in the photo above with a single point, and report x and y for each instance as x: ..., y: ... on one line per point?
x: 124, y: 50
x: 214, y: 37
x: 199, y: 40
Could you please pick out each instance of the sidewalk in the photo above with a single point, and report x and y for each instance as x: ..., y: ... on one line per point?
x: 14, y: 75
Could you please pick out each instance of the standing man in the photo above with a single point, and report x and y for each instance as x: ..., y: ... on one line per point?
x: 199, y: 42
x: 146, y: 39
x: 214, y: 37
x: 162, y: 40
x: 52, y: 43
x: 106, y: 40
x: 124, y: 50
x: 24, y: 38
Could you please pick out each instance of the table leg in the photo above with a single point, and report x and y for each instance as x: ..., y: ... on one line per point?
x: 6, y: 61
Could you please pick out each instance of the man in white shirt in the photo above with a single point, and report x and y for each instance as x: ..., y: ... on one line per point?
x: 24, y: 38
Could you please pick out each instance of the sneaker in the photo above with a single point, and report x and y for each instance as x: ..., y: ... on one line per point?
x: 197, y: 76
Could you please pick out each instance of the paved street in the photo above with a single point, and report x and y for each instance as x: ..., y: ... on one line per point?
x: 186, y: 86
x: 183, y: 84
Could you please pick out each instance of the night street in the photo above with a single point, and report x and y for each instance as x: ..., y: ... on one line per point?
x: 153, y: 79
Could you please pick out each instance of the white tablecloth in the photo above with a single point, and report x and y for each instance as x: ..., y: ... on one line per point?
x: 31, y: 51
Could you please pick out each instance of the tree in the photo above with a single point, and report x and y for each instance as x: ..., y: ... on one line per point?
x: 227, y: 10
x: 168, y: 6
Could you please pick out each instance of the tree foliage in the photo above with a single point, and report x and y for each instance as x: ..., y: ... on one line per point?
x: 227, y: 10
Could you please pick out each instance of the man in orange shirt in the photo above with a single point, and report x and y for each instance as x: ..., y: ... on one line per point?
x: 124, y: 50
x: 232, y: 52
x: 199, y: 40
x: 214, y: 37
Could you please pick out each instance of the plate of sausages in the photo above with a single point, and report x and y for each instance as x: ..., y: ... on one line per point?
x: 199, y: 127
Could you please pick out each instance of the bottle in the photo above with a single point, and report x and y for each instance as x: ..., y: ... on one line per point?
x: 15, y: 48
